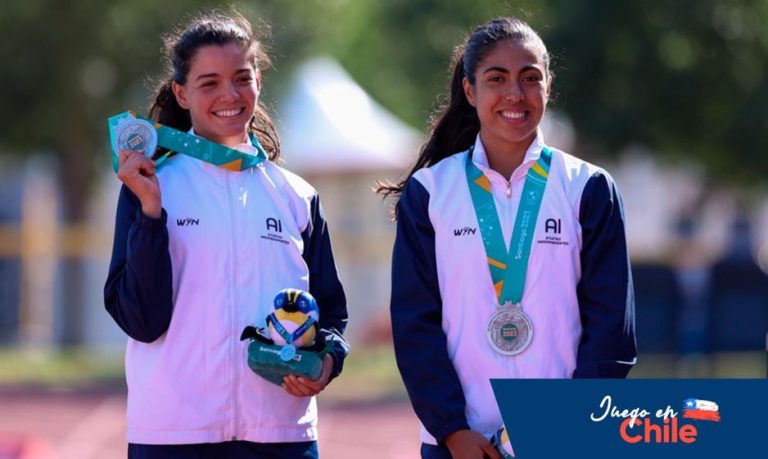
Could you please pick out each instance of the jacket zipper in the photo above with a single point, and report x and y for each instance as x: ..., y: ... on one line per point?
x: 233, y: 309
x: 508, y: 194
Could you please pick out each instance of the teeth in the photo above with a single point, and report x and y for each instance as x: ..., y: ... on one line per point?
x: 512, y: 115
x: 228, y: 113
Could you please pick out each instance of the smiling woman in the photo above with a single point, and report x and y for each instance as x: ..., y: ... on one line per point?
x: 189, y: 270
x: 510, y: 259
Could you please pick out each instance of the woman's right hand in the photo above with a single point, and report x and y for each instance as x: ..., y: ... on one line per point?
x: 468, y: 444
x: 137, y: 172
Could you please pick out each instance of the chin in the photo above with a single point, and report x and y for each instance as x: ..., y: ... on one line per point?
x: 231, y: 131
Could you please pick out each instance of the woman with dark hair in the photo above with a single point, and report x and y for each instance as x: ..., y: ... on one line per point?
x: 510, y: 259
x: 199, y: 253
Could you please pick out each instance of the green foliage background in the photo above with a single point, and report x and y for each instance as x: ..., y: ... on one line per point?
x: 681, y: 77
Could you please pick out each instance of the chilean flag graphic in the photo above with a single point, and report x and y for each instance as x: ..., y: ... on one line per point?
x: 703, y: 410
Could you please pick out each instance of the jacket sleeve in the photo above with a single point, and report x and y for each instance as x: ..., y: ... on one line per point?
x: 324, y: 284
x: 138, y: 292
x: 606, y: 297
x: 416, y: 310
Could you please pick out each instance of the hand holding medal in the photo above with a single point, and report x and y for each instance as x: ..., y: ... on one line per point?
x: 133, y: 134
x: 133, y: 143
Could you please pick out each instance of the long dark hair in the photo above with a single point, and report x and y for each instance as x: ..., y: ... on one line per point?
x: 181, y: 47
x: 454, y: 126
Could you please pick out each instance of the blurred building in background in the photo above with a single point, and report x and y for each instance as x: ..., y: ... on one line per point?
x: 699, y: 260
x: 10, y: 264
x: 33, y: 248
x: 341, y: 141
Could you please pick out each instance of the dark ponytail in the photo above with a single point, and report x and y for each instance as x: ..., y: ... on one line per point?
x: 165, y: 110
x: 455, y: 126
x: 181, y: 47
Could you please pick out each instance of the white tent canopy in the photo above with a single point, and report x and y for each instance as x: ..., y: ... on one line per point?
x: 330, y: 124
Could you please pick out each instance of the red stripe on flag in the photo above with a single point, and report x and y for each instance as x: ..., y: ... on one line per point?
x: 702, y: 415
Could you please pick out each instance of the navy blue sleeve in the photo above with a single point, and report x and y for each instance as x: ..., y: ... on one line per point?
x: 324, y: 284
x: 416, y: 308
x: 139, y: 293
x: 606, y: 297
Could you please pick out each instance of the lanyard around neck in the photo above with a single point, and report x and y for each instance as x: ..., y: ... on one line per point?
x: 508, y: 268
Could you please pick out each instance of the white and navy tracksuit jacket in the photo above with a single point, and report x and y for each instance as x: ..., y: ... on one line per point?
x: 184, y: 286
x: 578, y: 289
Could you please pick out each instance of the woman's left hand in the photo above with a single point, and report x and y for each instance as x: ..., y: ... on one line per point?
x: 299, y: 386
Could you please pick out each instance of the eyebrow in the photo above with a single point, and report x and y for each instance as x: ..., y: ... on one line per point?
x: 214, y: 74
x: 495, y: 69
x: 529, y: 67
x: 504, y: 70
x: 207, y: 75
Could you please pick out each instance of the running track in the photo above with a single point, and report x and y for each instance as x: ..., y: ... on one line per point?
x: 92, y: 425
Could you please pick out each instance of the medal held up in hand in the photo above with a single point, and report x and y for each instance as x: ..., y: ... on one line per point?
x: 130, y: 132
x: 135, y: 135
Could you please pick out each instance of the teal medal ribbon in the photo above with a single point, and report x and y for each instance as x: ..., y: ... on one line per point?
x: 289, y: 350
x: 129, y: 132
x: 510, y: 330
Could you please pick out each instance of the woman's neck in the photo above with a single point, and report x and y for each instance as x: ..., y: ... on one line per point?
x: 232, y: 142
x: 504, y: 157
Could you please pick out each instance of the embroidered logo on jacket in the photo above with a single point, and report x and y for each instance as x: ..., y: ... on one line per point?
x: 187, y: 221
x: 553, y: 224
x: 464, y: 231
x: 274, y: 231
x: 273, y: 224
x: 552, y: 229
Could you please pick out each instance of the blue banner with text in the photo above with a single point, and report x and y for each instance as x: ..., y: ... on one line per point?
x: 659, y: 418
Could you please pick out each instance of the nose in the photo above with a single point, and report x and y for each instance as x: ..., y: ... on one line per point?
x: 230, y: 92
x: 514, y: 92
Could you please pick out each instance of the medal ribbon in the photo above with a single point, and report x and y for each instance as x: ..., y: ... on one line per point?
x: 289, y: 337
x: 191, y: 145
x: 508, y: 268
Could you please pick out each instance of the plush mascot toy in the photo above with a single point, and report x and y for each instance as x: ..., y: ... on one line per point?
x: 291, y: 344
x: 295, y: 318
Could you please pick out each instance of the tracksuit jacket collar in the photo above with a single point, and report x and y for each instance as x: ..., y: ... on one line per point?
x: 480, y: 157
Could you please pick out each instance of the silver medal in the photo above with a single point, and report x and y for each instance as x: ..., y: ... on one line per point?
x: 135, y: 134
x: 510, y: 330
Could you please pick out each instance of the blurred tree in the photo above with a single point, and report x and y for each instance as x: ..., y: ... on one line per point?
x: 684, y: 78
x: 400, y: 49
